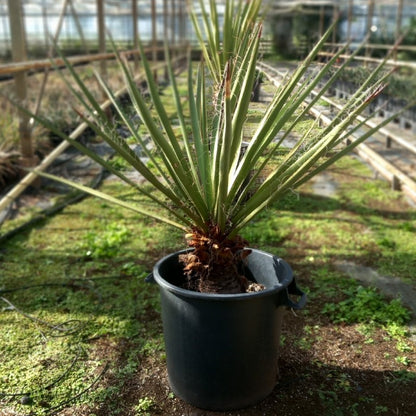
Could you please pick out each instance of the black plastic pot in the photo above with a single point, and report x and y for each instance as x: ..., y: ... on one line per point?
x: 222, y: 350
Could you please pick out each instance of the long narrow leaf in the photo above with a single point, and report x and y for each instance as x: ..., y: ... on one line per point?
x: 224, y: 162
x: 174, y: 162
x: 113, y: 200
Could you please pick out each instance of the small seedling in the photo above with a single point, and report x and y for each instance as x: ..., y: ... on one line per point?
x: 145, y: 405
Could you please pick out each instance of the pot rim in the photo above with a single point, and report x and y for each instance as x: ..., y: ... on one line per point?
x: 217, y: 296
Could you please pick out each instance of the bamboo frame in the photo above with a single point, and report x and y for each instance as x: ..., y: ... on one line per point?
x: 32, y: 176
x: 21, y: 67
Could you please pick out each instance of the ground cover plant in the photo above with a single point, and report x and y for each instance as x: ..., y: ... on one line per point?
x: 81, y: 330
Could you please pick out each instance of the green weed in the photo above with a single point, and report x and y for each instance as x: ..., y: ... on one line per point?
x: 106, y: 243
x: 403, y: 346
x: 402, y: 377
x: 366, y: 304
x: 395, y: 330
x: 402, y: 359
x: 145, y: 405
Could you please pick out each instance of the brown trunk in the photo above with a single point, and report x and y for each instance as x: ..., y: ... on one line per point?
x: 213, y: 265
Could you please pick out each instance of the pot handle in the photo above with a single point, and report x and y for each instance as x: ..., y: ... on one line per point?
x: 150, y: 278
x: 293, y: 289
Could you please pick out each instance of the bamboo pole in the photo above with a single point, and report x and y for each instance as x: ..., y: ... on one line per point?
x: 154, y: 36
x: 392, y: 62
x: 335, y: 15
x: 398, y: 29
x: 181, y: 21
x: 13, y: 68
x: 173, y: 21
x: 45, y: 24
x: 135, y: 33
x: 19, y: 54
x: 40, y: 64
x: 32, y: 176
x: 59, y: 26
x: 370, y: 14
x: 321, y: 20
x: 101, y: 36
x: 380, y: 46
x: 165, y: 31
x: 4, y: 24
x: 51, y: 49
x: 50, y: 53
x: 350, y: 13
x: 79, y: 26
x: 399, y: 17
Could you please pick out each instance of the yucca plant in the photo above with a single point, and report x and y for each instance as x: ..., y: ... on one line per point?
x: 205, y: 184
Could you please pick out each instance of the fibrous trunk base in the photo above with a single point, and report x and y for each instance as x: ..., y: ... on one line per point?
x: 214, y: 266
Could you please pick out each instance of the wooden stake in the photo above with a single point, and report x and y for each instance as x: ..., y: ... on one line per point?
x: 370, y: 14
x: 165, y: 32
x: 154, y: 36
x: 398, y: 30
x: 50, y: 54
x: 350, y: 13
x: 135, y: 33
x: 101, y: 36
x: 19, y: 54
x: 173, y: 21
x: 79, y: 26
